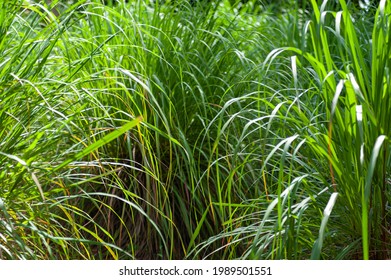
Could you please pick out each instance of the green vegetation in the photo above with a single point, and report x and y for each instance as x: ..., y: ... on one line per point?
x: 217, y: 130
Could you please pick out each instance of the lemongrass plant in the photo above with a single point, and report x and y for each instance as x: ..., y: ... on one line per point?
x: 103, y: 107
x: 357, y: 102
x: 168, y: 131
x: 326, y: 134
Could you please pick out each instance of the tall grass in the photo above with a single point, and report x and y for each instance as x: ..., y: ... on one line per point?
x: 341, y: 137
x: 355, y: 92
x: 169, y: 131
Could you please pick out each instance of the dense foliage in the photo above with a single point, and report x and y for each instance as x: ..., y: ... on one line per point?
x: 178, y: 130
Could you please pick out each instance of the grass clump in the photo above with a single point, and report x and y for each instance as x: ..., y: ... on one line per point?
x: 149, y: 130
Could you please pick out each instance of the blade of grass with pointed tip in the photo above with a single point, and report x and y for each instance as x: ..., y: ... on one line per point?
x: 366, y: 191
x: 326, y: 214
x: 106, y: 139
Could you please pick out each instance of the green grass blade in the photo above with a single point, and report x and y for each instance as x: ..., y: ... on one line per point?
x: 316, y: 250
x: 366, y: 192
x: 106, y: 139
